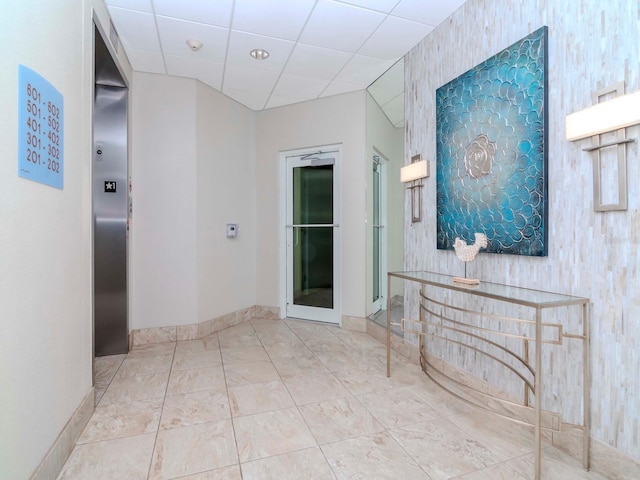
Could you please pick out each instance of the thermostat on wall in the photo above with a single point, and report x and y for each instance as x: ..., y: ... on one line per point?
x: 232, y: 230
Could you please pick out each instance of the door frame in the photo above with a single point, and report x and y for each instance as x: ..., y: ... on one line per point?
x: 336, y: 317
x: 383, y: 163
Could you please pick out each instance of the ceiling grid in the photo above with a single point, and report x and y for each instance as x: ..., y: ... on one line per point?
x: 317, y: 48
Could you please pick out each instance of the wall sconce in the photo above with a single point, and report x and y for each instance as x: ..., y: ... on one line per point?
x: 414, y: 173
x: 607, y: 116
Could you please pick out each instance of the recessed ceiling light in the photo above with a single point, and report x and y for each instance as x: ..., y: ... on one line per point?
x: 259, y: 54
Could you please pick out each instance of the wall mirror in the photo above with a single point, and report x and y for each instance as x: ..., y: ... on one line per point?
x: 385, y: 193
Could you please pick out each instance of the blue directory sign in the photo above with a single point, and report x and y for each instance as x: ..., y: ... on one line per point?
x: 40, y: 129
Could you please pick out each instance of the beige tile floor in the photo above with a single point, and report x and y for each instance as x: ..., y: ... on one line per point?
x: 295, y: 400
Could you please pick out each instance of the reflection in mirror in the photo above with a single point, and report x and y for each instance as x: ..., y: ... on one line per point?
x: 385, y: 193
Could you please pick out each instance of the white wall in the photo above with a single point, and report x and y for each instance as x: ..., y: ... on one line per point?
x: 163, y: 227
x: 225, y: 194
x: 331, y: 120
x: 592, y: 44
x: 193, y: 172
x: 45, y: 237
x: 383, y: 138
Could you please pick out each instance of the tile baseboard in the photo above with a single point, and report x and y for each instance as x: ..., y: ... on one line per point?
x: 145, y: 336
x: 54, y: 460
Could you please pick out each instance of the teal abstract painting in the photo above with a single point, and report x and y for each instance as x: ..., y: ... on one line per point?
x: 491, y: 136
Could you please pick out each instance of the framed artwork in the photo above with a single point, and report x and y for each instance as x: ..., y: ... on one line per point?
x: 491, y: 133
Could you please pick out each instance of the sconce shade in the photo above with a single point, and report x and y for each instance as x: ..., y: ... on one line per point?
x: 622, y: 111
x: 414, y: 171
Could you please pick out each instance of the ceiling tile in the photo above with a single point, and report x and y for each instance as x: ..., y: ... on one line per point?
x: 430, y: 12
x: 393, y: 79
x: 240, y: 44
x: 207, y: 72
x: 301, y: 88
x: 175, y: 33
x: 348, y: 43
x: 135, y: 29
x: 379, y: 5
x: 139, y: 5
x: 336, y: 88
x: 310, y: 61
x: 340, y: 26
x: 211, y: 12
x: 274, y: 18
x: 241, y: 77
x: 363, y: 70
x: 249, y: 98
x: 145, y: 61
x: 394, y: 38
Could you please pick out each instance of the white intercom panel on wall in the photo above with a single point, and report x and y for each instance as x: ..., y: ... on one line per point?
x: 232, y: 230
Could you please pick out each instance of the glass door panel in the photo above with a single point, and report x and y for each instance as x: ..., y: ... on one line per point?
x: 311, y: 237
x: 379, y: 257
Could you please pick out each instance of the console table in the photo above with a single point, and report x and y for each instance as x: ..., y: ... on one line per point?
x: 446, y: 317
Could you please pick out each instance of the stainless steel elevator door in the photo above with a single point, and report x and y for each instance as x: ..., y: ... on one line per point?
x: 110, y: 220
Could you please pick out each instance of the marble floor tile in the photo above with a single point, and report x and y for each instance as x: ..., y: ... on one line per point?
x: 397, y: 407
x: 251, y: 372
x: 359, y: 339
x: 194, y: 408
x: 297, y: 385
x: 226, y: 473
x: 314, y: 388
x: 268, y: 322
x: 153, y: 349
x: 96, y: 460
x: 138, y: 387
x: 276, y: 336
x: 501, y: 471
x: 195, y: 449
x: 239, y: 336
x: 145, y: 365
x: 432, y: 393
x: 361, y: 380
x: 195, y: 380
x: 310, y: 330
x: 442, y: 449
x: 206, y: 343
x: 320, y: 344
x: 505, y: 438
x: 258, y: 398
x: 122, y: 420
x: 308, y: 464
x: 303, y: 364
x: 271, y: 433
x: 201, y: 359
x: 555, y: 465
x: 244, y: 354
x: 372, y: 456
x: 340, y: 419
x: 338, y: 358
x: 105, y: 369
x: 288, y: 349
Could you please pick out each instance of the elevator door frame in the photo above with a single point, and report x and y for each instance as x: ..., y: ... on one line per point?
x: 111, y: 75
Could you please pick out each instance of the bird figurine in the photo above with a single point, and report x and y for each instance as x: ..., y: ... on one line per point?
x: 468, y: 253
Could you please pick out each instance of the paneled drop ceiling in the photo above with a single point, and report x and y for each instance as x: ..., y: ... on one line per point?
x: 317, y: 48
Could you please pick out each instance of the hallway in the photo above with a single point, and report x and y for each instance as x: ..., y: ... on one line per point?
x: 273, y: 399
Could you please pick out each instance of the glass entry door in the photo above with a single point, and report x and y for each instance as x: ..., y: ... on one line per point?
x: 379, y: 243
x: 312, y: 237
